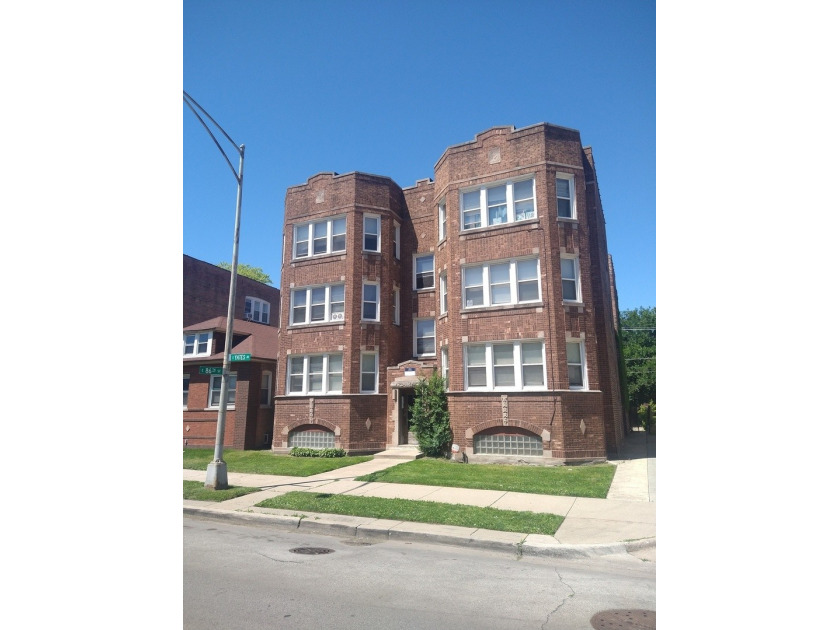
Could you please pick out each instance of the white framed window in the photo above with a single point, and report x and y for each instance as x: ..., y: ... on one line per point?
x: 397, y: 241
x: 265, y: 389
x: 424, y: 272
x: 397, y: 307
x: 186, y: 389
x: 441, y: 220
x: 570, y: 278
x: 371, y: 232
x: 566, y: 197
x: 370, y: 301
x: 498, y: 203
x: 444, y: 297
x: 314, y: 374
x: 424, y: 337
x: 370, y: 373
x: 216, y: 390
x: 505, y: 282
x: 198, y: 344
x: 444, y: 366
x: 516, y: 365
x: 317, y: 238
x: 576, y: 361
x: 317, y: 305
x: 257, y: 310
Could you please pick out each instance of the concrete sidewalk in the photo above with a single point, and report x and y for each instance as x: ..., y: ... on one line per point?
x: 623, y: 522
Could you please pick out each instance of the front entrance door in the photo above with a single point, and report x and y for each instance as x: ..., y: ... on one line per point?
x: 406, y: 402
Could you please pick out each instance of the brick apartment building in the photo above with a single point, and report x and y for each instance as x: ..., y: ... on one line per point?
x: 250, y: 414
x: 496, y: 273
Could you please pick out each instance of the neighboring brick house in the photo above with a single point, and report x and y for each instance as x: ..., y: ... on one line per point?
x: 249, y: 418
x: 496, y: 273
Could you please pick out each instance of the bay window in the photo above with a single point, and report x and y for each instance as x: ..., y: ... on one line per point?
x: 506, y: 282
x: 498, y: 203
x: 320, y: 237
x: 314, y: 374
x: 314, y: 305
x: 516, y: 365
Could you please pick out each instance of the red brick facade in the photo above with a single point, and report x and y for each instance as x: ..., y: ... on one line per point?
x: 501, y: 194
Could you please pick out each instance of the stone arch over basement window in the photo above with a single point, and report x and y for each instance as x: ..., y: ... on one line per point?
x: 516, y: 438
x: 307, y: 431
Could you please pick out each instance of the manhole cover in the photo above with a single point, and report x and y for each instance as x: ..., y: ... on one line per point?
x: 624, y: 620
x: 311, y: 551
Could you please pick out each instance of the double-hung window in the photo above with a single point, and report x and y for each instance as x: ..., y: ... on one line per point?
x: 565, y: 197
x: 216, y: 390
x: 505, y: 282
x: 314, y: 374
x: 370, y: 301
x: 370, y: 373
x: 198, y: 344
x: 314, y: 305
x: 518, y: 365
x: 444, y: 366
x: 186, y: 389
x: 424, y: 272
x: 570, y: 278
x: 444, y: 297
x: 265, y: 389
x: 424, y: 337
x: 256, y: 310
x: 396, y: 241
x: 576, y: 361
x: 397, y: 307
x: 441, y: 220
x: 371, y: 233
x: 498, y: 203
x: 320, y: 237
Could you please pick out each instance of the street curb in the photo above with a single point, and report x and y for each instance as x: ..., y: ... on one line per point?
x: 533, y: 545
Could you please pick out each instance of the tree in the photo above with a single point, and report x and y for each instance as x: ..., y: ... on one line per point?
x: 638, y: 345
x: 430, y: 416
x: 255, y: 273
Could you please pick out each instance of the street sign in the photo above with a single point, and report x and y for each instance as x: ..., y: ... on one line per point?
x: 240, y: 357
x: 206, y: 369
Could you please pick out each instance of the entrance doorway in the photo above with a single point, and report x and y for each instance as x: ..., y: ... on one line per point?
x: 406, y: 401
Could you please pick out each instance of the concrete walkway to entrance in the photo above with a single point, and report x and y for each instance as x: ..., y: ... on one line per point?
x: 624, y: 521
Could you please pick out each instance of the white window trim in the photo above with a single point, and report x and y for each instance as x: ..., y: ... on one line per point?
x: 397, y: 307
x: 444, y: 366
x: 576, y: 261
x: 270, y: 396
x: 509, y: 201
x: 311, y: 238
x: 434, y: 336
x: 397, y: 241
x: 231, y: 402
x: 375, y: 373
x: 583, y: 370
x: 330, y: 317
x: 513, y: 279
x: 444, y: 294
x: 416, y: 257
x: 378, y: 232
x: 261, y: 307
x: 571, y: 179
x: 517, y: 365
x: 441, y: 221
x: 378, y: 300
x: 197, y: 334
x: 308, y: 359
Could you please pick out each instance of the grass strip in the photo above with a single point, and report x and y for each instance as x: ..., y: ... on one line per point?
x: 196, y: 491
x: 418, y: 512
x: 268, y: 463
x: 592, y: 481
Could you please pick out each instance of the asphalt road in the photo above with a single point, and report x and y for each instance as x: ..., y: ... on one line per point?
x: 246, y: 576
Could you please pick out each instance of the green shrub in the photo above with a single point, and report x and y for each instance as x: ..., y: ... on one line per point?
x: 329, y: 453
x: 647, y: 413
x: 430, y: 417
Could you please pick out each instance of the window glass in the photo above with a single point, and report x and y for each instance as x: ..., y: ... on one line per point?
x: 370, y: 301
x: 523, y: 200
x: 425, y: 272
x: 500, y: 284
x: 425, y: 337
x: 569, y: 278
x: 339, y: 234
x: 476, y: 362
x: 503, y: 368
x: 474, y: 286
x: 496, y: 205
x: 371, y: 235
x: 564, y: 198
x: 472, y: 209
x: 528, y: 281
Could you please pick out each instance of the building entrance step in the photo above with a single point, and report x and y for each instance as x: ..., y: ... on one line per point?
x: 403, y: 451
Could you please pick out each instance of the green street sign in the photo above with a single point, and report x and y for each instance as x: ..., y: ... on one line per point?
x: 207, y: 369
x: 240, y: 357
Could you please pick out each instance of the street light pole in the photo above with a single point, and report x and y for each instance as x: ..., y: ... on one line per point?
x: 217, y: 469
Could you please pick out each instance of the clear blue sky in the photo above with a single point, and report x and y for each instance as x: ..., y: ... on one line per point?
x: 386, y: 87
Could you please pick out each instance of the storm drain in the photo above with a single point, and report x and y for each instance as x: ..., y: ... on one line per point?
x: 624, y: 620
x: 311, y: 551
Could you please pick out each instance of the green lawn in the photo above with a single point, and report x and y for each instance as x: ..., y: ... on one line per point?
x: 574, y: 481
x: 268, y: 463
x: 418, y: 512
x: 196, y: 491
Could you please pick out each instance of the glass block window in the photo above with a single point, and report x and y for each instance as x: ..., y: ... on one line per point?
x: 500, y: 444
x: 312, y: 438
